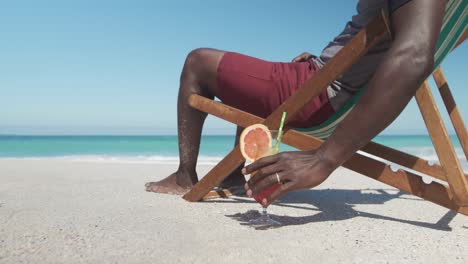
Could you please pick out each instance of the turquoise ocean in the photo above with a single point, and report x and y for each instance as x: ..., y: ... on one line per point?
x: 164, y: 149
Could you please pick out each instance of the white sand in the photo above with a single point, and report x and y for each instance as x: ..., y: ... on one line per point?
x: 54, y: 211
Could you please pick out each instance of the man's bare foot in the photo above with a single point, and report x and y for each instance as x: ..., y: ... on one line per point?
x: 171, y: 184
x: 177, y: 182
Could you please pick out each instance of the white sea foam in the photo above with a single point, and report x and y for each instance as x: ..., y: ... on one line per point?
x: 427, y: 153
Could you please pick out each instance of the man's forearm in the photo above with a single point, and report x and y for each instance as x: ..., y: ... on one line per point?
x: 404, y: 68
x: 378, y: 107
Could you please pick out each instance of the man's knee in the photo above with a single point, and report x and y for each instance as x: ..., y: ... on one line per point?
x: 201, y: 66
x: 196, y: 57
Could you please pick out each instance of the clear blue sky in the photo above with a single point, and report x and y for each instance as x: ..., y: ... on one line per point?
x: 113, y: 67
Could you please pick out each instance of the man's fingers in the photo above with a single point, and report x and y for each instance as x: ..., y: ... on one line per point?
x: 259, y: 164
x: 263, y: 172
x: 300, y: 58
x: 303, y: 57
x: 265, y: 182
x: 297, y: 59
x: 283, y: 189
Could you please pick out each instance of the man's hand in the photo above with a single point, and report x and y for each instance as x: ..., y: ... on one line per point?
x: 303, y: 57
x: 296, y: 170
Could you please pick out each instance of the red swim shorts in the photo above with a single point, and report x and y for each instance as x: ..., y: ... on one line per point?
x: 259, y: 87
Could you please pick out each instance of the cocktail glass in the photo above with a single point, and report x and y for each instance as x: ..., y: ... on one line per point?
x: 265, y: 219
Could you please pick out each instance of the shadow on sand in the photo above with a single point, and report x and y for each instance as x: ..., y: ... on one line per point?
x: 335, y: 205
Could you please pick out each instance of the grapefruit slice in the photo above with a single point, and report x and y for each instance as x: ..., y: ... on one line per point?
x: 255, y: 142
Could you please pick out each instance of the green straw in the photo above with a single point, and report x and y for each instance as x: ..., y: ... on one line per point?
x: 280, y: 131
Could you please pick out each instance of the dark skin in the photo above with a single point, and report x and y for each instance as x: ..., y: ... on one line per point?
x: 199, y: 76
x: 416, y: 27
x: 406, y: 65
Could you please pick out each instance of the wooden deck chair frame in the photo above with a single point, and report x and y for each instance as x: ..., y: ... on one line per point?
x: 450, y: 188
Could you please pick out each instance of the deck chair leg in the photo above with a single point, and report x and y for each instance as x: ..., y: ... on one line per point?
x: 377, y: 170
x: 452, y: 109
x: 442, y: 144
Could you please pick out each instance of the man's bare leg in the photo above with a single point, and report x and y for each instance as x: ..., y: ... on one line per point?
x: 199, y: 76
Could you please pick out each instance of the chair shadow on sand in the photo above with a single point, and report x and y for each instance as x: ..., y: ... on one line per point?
x: 336, y: 205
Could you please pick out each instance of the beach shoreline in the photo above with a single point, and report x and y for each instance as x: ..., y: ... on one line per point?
x: 55, y: 210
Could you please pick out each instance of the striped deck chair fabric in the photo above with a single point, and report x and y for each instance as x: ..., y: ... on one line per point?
x: 454, y: 25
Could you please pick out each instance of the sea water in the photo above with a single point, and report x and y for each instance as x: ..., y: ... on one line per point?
x: 164, y: 149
